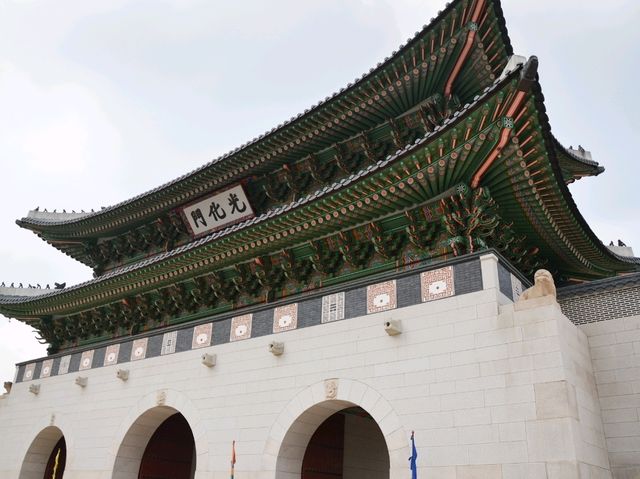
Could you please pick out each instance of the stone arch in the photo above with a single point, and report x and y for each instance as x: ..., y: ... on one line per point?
x: 37, y: 456
x: 41, y: 440
x: 296, y: 423
x: 140, y: 424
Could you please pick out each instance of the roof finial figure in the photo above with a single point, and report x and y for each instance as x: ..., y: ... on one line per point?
x: 37, y: 208
x: 20, y: 286
x: 611, y: 244
x: 12, y: 285
x: 60, y: 285
x: 3, y: 284
x: 48, y: 287
x: 620, y: 243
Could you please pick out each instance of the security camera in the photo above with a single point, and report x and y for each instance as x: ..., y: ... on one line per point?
x: 276, y: 348
x: 209, y: 360
x: 81, y: 381
x: 34, y: 389
x: 122, y: 374
x: 393, y: 327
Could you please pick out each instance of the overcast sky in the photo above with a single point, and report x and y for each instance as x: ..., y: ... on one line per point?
x: 102, y: 100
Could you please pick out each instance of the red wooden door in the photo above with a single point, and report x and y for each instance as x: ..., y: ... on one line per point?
x: 57, y: 460
x: 325, y: 453
x: 169, y: 454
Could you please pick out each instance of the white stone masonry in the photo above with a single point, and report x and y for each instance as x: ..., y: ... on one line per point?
x: 492, y: 391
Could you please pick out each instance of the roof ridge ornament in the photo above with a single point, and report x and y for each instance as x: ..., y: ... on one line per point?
x: 23, y: 290
x: 528, y: 75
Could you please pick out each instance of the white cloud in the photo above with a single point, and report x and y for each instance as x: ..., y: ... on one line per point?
x: 57, y: 130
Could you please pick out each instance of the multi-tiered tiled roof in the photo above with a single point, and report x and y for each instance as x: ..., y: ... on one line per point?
x: 442, y: 150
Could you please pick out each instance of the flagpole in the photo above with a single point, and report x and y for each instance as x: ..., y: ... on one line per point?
x: 414, y: 456
x: 233, y: 458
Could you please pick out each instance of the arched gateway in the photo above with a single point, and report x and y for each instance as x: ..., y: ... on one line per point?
x: 337, y: 428
x: 151, y: 428
x: 46, y: 456
x: 170, y: 453
x: 159, y: 445
x: 347, y: 445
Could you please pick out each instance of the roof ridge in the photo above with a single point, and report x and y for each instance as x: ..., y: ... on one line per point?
x: 630, y: 279
x: 570, y: 152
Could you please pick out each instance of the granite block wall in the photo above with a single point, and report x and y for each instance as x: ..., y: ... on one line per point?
x: 491, y: 389
x: 615, y: 353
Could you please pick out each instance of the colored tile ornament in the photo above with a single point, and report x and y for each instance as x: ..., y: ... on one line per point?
x: 332, y: 307
x: 86, y: 360
x: 47, y: 366
x: 28, y: 372
x: 63, y: 368
x: 381, y: 297
x: 202, y: 336
x: 241, y: 327
x: 437, y: 284
x: 285, y: 318
x: 139, y: 349
x: 111, y: 355
x: 169, y: 342
x: 516, y: 288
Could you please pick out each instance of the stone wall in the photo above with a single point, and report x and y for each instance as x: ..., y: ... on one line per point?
x: 491, y: 390
x: 611, y: 298
x: 615, y: 352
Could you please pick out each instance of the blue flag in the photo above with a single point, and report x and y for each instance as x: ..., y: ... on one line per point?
x: 413, y: 458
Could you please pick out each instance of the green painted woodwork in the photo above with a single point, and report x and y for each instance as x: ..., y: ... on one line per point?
x: 345, y: 256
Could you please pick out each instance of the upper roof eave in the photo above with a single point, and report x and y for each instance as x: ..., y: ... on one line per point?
x: 589, y: 167
x: 553, y: 146
x: 41, y: 224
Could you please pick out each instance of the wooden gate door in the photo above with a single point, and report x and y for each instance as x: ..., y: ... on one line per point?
x: 169, y: 454
x: 324, y: 456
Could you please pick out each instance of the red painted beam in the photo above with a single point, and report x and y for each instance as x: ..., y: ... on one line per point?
x: 465, y: 50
